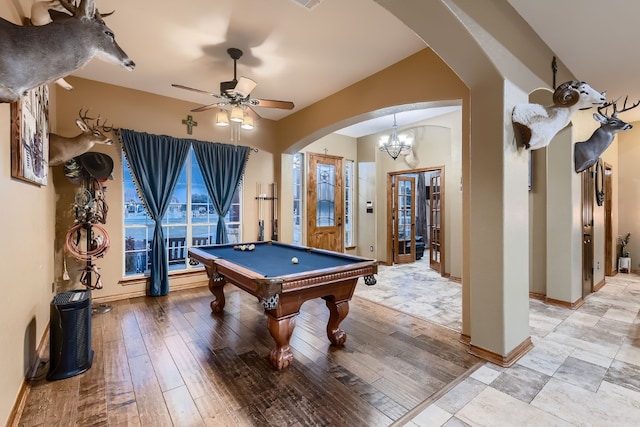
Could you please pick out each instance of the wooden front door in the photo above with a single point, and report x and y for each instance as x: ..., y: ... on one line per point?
x: 325, y: 203
x: 587, y: 232
x: 435, y: 222
x: 404, y: 215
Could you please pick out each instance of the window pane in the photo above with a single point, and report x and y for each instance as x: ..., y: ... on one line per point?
x: 348, y: 204
x: 190, y: 220
x: 325, y: 190
x: 298, y: 171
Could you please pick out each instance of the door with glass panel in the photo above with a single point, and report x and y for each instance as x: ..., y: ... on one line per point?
x: 404, y: 217
x: 325, y: 203
x: 435, y: 222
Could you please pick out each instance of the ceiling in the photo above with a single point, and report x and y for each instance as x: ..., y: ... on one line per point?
x: 304, y: 55
x: 595, y: 39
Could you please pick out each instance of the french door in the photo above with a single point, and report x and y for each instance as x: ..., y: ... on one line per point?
x: 435, y: 221
x: 404, y: 215
x: 325, y: 203
x: 587, y: 232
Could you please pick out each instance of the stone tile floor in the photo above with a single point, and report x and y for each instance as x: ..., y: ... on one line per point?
x: 584, y: 368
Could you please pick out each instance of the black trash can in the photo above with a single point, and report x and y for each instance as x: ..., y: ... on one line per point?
x: 70, y: 350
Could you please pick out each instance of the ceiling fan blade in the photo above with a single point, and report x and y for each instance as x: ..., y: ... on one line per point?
x: 210, y: 107
x: 195, y: 90
x: 244, y: 87
x: 270, y: 103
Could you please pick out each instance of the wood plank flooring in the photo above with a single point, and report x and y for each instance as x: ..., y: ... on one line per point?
x: 169, y: 361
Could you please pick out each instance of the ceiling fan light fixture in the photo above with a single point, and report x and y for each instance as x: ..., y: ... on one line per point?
x: 221, y: 118
x: 247, y: 123
x: 237, y: 115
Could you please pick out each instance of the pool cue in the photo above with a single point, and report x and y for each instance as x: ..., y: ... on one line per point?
x: 260, y: 209
x: 274, y: 213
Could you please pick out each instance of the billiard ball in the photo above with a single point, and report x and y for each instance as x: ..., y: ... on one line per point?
x: 294, y: 260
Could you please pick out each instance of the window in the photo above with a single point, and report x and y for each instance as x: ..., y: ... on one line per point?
x: 189, y: 221
x: 298, y: 174
x: 349, y: 204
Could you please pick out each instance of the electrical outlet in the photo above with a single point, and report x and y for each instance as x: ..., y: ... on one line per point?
x: 371, y: 248
x: 53, y: 287
x: 598, y: 265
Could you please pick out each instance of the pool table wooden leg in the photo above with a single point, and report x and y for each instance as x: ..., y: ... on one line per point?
x: 281, y: 330
x: 216, y: 286
x: 337, y: 313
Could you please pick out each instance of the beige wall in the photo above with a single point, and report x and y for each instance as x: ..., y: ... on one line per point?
x: 438, y: 143
x: 27, y: 220
x: 26, y: 261
x: 628, y: 196
x: 154, y: 114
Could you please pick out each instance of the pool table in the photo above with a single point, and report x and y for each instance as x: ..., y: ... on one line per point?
x: 282, y: 284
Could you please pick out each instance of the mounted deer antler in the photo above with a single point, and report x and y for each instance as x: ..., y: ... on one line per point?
x: 586, y: 153
x: 62, y: 149
x: 538, y: 124
x: 34, y: 55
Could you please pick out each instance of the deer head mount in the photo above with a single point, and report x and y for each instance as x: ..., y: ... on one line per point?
x: 34, y: 55
x: 537, y: 125
x: 62, y: 149
x: 587, y: 153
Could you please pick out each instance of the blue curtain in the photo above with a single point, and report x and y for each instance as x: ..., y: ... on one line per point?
x: 222, y: 167
x: 155, y: 162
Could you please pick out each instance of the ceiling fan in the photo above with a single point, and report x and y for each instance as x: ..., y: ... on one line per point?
x: 237, y: 93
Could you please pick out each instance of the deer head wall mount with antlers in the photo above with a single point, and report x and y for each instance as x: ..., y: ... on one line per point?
x: 62, y: 149
x: 34, y: 55
x: 586, y: 153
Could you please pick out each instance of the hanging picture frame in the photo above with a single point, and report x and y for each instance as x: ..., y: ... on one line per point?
x: 30, y: 137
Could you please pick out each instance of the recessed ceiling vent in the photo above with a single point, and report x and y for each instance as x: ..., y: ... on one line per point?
x: 309, y: 4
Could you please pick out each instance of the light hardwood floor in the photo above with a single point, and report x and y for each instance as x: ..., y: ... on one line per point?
x: 170, y: 361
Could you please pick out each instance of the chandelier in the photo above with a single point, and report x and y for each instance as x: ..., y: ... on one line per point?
x: 395, y: 144
x: 238, y: 119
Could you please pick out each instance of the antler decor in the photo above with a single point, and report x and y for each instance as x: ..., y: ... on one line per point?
x: 31, y: 56
x: 63, y: 149
x: 537, y: 125
x: 586, y: 153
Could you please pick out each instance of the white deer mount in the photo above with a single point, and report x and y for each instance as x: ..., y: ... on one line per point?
x: 31, y: 56
x: 62, y: 149
x: 537, y: 125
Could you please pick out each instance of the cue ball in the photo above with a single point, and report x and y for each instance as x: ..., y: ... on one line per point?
x: 294, y: 260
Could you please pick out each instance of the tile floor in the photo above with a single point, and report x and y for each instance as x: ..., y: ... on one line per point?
x: 584, y: 369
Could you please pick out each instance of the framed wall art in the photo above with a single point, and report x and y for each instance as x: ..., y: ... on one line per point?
x: 30, y: 137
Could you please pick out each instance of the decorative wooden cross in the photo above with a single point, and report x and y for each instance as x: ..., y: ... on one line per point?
x: 190, y: 124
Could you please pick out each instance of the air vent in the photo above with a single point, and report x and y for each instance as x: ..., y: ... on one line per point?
x: 309, y: 4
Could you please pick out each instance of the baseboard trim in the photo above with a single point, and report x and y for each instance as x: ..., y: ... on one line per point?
x: 500, y: 360
x: 570, y: 305
x: 538, y: 296
x: 142, y: 293
x: 564, y: 304
x: 25, y: 387
x: 599, y: 285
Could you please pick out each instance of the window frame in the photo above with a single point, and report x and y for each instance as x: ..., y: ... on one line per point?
x: 234, y: 228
